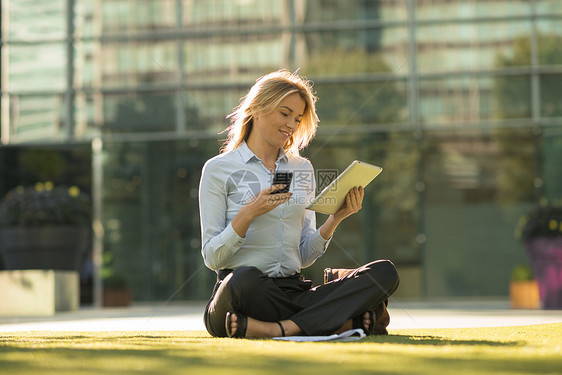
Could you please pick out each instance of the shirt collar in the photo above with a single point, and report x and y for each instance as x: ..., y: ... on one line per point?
x: 248, y: 154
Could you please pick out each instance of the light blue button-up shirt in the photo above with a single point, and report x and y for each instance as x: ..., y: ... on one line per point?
x: 280, y: 242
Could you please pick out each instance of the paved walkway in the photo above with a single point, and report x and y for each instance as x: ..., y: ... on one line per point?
x: 188, y: 316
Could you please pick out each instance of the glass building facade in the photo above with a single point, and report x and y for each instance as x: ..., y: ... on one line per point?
x: 459, y: 101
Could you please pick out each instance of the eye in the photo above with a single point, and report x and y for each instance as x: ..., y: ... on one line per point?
x: 298, y: 120
x: 284, y: 114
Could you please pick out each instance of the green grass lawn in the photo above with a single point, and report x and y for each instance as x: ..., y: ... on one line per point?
x: 506, y: 350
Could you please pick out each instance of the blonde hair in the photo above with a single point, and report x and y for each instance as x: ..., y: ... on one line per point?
x: 264, y: 97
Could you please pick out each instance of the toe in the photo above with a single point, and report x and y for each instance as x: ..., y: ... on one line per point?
x: 233, y: 323
x: 366, y: 321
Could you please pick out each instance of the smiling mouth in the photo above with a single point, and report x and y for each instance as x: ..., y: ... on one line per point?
x: 287, y: 134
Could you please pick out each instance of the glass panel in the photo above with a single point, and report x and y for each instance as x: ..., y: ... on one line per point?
x: 86, y: 64
x: 478, y: 185
x: 369, y: 103
x: 136, y: 112
x: 152, y: 231
x: 204, y: 110
x: 462, y: 9
x: 512, y: 97
x: 551, y: 92
x: 355, y: 10
x: 377, y: 50
x: 63, y: 165
x: 36, y: 67
x: 470, y: 99
x: 349, y: 248
x: 549, y: 41
x: 36, y: 118
x: 84, y: 116
x: 237, y: 58
x: 387, y: 226
x: 548, y: 7
x: 472, y: 46
x: 218, y: 14
x: 207, y: 109
x: 131, y: 64
x: 125, y: 17
x: 552, y: 154
x: 87, y: 21
x: 32, y: 19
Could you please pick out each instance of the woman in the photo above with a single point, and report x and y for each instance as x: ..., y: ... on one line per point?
x: 258, y: 240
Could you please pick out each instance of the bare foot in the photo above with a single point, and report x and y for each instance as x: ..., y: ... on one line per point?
x: 367, y: 321
x: 233, y: 323
x: 257, y: 328
x: 349, y: 324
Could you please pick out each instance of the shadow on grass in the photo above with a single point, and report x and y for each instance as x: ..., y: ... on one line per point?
x: 346, y: 358
x: 163, y: 361
x: 156, y: 339
x: 436, y: 341
x: 197, y: 353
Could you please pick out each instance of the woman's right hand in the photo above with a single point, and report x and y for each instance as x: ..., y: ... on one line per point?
x: 260, y: 204
x: 266, y: 200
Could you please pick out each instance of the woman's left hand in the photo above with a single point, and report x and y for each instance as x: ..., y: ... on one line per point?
x: 353, y: 203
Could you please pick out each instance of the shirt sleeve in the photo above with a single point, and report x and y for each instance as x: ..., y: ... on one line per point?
x: 219, y: 240
x: 312, y: 244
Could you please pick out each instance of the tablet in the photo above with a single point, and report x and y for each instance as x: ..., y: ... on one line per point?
x: 330, y: 200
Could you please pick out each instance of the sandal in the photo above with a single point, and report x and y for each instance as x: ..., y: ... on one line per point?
x: 242, y: 325
x: 282, y: 329
x: 379, y: 320
x: 358, y: 323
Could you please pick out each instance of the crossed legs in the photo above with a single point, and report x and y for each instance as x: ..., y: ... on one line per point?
x: 322, y: 310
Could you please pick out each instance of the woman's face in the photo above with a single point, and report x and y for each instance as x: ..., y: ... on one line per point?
x: 276, y: 127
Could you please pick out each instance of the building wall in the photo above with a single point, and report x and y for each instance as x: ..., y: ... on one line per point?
x: 457, y: 100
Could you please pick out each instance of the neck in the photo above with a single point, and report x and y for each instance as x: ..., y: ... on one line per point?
x: 267, y: 153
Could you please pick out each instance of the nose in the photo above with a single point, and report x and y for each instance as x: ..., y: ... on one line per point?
x: 292, y: 123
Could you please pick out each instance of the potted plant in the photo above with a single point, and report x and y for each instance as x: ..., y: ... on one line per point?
x: 115, y: 290
x: 541, y: 230
x: 523, y: 288
x: 44, y: 227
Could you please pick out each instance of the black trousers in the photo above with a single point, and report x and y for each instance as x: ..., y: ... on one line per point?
x: 317, y: 311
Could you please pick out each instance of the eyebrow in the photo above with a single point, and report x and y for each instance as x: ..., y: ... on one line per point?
x: 284, y: 106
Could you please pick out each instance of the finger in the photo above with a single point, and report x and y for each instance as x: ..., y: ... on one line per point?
x: 277, y: 199
x: 285, y: 196
x: 354, y: 202
x: 353, y: 194
x: 273, y: 188
x: 359, y: 195
x: 348, y: 202
x: 356, y: 199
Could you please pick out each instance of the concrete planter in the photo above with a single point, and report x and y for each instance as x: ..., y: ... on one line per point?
x: 43, y: 248
x: 38, y: 292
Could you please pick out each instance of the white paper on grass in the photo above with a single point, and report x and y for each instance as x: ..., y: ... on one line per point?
x: 351, y: 335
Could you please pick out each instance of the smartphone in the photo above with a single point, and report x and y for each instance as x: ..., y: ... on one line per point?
x: 282, y: 178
